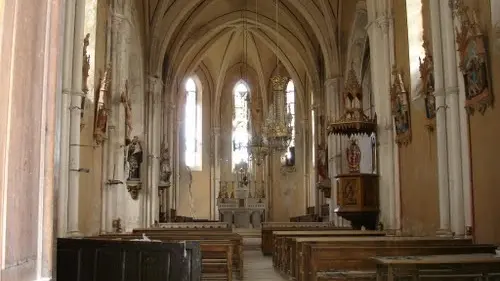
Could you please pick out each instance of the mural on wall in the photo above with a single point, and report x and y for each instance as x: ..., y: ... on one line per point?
x: 100, y: 107
x: 427, y: 87
x: 473, y: 59
x: 400, y: 109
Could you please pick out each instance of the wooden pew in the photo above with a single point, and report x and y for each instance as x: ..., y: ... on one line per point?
x: 323, y: 254
x: 268, y: 228
x: 204, y: 232
x: 306, y: 218
x: 284, y: 246
x: 107, y: 260
x: 216, y: 252
x: 439, y: 267
x: 215, y: 226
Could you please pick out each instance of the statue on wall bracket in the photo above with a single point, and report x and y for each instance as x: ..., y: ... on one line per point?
x: 100, y: 107
x: 133, y: 156
x: 165, y: 168
x: 427, y: 90
x: 400, y: 109
x: 473, y: 59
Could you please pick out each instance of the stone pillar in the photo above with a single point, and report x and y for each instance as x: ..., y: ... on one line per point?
x: 62, y: 206
x: 333, y: 94
x: 380, y: 31
x: 452, y: 120
x: 118, y: 194
x: 442, y: 145
x: 75, y: 120
x: 154, y: 138
x: 216, y: 156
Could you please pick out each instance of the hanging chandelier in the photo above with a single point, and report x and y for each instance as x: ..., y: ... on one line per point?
x: 278, y: 127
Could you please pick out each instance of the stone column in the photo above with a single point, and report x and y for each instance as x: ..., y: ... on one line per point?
x: 62, y: 206
x: 155, y: 110
x: 333, y: 93
x: 216, y: 156
x: 116, y: 129
x: 380, y: 31
x: 452, y: 120
x: 75, y: 120
x: 442, y: 145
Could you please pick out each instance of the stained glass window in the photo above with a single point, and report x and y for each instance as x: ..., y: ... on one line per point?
x: 192, y: 126
x: 415, y: 41
x: 241, y: 123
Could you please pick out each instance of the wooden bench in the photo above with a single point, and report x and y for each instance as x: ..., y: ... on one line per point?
x: 214, y: 247
x: 107, y: 260
x: 203, y: 233
x: 314, y: 255
x: 306, y: 218
x: 284, y: 246
x: 439, y: 267
x: 215, y: 226
x: 217, y: 255
x: 268, y: 228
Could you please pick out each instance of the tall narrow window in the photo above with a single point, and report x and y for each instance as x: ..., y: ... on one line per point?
x: 290, y: 110
x: 192, y: 126
x: 415, y: 41
x: 241, y: 124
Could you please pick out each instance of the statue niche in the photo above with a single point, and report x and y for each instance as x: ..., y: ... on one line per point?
x: 133, y: 159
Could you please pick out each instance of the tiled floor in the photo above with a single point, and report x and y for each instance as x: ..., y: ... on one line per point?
x: 259, y: 268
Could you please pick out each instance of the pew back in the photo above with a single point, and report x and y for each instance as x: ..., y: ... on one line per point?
x: 107, y: 260
x: 268, y: 228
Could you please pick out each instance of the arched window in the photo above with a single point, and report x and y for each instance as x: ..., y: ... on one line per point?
x: 290, y: 110
x: 416, y: 50
x: 241, y: 123
x: 192, y: 126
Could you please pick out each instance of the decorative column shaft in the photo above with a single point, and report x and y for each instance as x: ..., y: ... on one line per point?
x: 442, y: 145
x: 452, y: 120
x: 117, y: 194
x: 75, y: 120
x: 333, y: 88
x: 62, y: 206
x: 380, y: 30
x: 155, y: 90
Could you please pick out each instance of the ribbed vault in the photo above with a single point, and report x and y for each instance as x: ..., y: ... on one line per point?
x: 186, y: 34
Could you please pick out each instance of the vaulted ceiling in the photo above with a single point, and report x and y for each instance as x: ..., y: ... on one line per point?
x: 185, y: 34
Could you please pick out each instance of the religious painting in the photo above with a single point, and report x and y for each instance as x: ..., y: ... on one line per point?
x: 100, y: 109
x: 400, y: 110
x: 473, y: 60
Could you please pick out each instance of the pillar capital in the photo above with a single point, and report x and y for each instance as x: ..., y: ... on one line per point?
x: 333, y: 82
x: 155, y: 84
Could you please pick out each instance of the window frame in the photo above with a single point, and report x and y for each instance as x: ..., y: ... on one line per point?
x: 195, y: 164
x: 243, y: 150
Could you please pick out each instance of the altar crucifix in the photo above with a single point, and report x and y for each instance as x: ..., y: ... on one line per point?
x: 125, y: 99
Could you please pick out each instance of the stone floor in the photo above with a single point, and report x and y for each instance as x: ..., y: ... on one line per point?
x: 259, y: 268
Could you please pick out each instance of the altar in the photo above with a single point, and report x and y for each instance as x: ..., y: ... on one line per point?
x: 242, y: 203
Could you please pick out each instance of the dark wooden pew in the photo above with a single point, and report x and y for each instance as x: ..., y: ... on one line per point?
x: 203, y: 231
x: 439, y: 267
x: 315, y: 255
x: 108, y: 260
x: 219, y: 257
x: 268, y: 228
x: 306, y: 218
x: 284, y: 245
